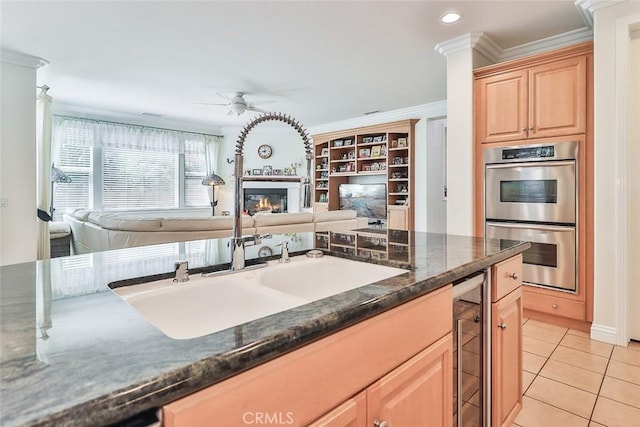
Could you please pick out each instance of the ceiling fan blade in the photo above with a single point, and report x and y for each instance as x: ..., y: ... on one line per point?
x: 222, y: 95
x: 208, y: 103
x: 230, y: 112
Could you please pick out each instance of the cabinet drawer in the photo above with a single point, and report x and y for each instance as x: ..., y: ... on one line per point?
x: 553, y: 305
x: 506, y: 276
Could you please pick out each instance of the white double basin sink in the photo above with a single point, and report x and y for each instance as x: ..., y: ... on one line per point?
x: 205, y: 305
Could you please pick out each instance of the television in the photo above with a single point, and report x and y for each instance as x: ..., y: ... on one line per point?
x: 368, y: 200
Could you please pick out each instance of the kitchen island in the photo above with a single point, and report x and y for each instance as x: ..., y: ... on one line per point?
x: 75, y: 353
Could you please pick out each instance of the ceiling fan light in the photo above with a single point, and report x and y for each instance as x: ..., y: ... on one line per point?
x: 238, y: 108
x: 451, y: 17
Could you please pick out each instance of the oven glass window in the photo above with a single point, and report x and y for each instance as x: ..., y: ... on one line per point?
x: 543, y: 254
x: 529, y: 191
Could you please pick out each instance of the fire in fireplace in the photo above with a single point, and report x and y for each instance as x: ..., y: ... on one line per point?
x: 265, y: 200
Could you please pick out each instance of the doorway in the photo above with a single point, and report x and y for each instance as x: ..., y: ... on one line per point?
x: 436, y: 176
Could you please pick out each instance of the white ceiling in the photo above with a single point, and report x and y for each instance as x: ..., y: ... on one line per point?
x: 319, y: 61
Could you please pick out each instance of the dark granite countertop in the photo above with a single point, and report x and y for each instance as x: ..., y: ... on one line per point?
x: 74, y: 353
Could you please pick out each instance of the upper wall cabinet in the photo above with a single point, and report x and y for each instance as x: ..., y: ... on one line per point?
x: 520, y: 100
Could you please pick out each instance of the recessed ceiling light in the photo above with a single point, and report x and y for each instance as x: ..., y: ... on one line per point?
x: 451, y: 17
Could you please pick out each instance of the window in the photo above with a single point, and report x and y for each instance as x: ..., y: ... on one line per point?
x: 123, y: 167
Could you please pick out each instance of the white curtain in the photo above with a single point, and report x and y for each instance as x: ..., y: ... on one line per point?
x: 211, y: 150
x: 43, y: 168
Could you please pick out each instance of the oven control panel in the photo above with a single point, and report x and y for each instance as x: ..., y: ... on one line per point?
x: 528, y: 152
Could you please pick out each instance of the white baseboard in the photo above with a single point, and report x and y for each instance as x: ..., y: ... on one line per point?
x: 603, y: 333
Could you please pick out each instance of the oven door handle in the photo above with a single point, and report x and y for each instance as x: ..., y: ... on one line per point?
x: 531, y: 164
x: 554, y: 228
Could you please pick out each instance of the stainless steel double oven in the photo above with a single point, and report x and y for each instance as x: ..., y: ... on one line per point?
x: 531, y: 194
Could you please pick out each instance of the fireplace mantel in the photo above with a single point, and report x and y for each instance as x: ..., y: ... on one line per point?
x: 272, y: 178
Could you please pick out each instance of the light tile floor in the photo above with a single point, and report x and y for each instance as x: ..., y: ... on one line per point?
x: 570, y: 380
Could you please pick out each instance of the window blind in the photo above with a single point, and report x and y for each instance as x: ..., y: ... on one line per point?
x: 75, y: 161
x: 195, y: 169
x: 134, y: 179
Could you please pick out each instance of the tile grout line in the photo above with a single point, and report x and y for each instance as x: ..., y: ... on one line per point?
x: 593, y: 410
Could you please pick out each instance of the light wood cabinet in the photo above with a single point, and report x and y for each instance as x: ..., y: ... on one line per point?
x: 383, y: 153
x: 334, y: 371
x: 352, y: 413
x: 539, y: 101
x: 418, y: 393
x: 506, y: 341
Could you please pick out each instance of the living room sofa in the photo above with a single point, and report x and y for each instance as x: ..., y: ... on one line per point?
x: 93, y: 231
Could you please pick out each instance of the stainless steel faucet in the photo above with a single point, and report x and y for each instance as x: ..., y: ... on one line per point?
x: 182, y: 272
x: 238, y: 241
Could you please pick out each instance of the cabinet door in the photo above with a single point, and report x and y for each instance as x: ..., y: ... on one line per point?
x: 398, y: 218
x: 506, y: 346
x: 501, y: 107
x: 352, y: 413
x: 558, y: 98
x: 418, y: 393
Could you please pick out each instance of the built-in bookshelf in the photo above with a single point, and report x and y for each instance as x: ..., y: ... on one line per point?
x: 385, y: 150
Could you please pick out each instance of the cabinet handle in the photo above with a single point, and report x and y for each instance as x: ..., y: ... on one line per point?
x: 514, y: 276
x: 531, y: 128
x: 502, y: 326
x: 554, y: 305
x: 380, y: 423
x: 524, y: 129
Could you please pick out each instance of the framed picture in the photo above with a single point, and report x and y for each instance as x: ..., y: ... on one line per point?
x: 394, y: 143
x: 383, y: 166
x: 375, y: 151
x: 324, y: 152
x: 348, y: 142
x: 256, y: 172
x: 367, y: 139
x: 378, y: 138
x: 277, y: 171
x: 364, y: 152
x: 267, y: 170
x: 402, y: 142
x: 338, y: 143
x: 352, y: 154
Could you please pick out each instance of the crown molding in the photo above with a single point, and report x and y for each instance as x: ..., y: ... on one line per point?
x: 549, y: 43
x: 590, y: 6
x: 19, y: 58
x: 431, y: 110
x: 479, y: 41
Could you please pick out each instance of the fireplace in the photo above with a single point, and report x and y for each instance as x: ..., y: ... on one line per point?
x: 272, y: 200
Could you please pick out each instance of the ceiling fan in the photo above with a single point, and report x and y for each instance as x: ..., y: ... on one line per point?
x: 237, y: 104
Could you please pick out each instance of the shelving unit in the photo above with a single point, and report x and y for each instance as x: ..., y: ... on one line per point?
x: 384, y: 150
x: 379, y: 244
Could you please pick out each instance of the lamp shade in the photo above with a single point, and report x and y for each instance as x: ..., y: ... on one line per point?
x: 212, y: 180
x: 58, y: 176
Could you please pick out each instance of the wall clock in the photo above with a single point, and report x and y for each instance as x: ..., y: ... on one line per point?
x: 265, y: 151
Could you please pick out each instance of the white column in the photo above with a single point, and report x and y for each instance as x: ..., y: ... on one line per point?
x: 18, y: 231
x: 463, y: 54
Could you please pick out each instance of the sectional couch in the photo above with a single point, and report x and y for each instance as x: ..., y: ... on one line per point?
x: 93, y: 231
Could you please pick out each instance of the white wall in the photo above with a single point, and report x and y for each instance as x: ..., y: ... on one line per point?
x: 18, y: 235
x: 609, y: 139
x: 460, y: 139
x: 634, y: 190
x: 287, y: 149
